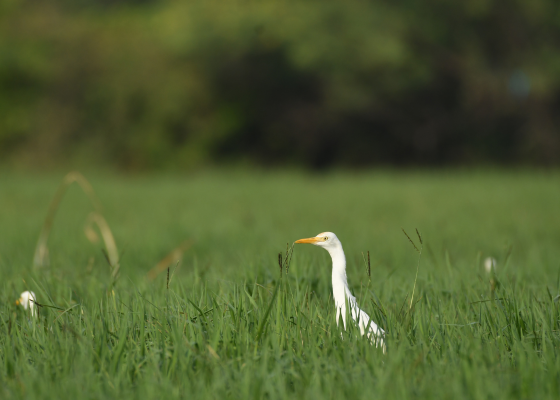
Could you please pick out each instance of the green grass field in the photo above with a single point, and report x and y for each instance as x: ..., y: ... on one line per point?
x: 228, y: 327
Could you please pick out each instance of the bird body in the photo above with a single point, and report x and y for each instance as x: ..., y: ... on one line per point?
x: 341, y: 292
x: 27, y: 300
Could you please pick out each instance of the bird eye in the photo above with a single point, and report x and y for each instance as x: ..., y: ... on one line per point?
x: 326, y: 238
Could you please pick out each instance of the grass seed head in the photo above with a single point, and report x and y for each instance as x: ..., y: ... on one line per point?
x: 410, y: 240
x: 368, y: 265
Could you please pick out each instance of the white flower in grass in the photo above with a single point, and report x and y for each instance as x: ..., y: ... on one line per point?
x: 490, y: 264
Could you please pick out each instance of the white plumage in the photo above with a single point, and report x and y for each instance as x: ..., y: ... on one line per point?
x: 27, y: 300
x: 341, y: 293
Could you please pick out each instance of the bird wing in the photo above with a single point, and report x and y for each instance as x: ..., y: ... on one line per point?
x: 374, y: 333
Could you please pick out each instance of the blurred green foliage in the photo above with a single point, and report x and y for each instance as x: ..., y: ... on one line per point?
x: 169, y: 84
x: 200, y: 336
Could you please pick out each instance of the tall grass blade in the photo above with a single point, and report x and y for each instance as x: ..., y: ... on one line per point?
x: 267, y: 313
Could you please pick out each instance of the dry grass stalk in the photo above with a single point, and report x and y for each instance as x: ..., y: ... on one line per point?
x: 108, y: 239
x: 40, y: 258
x: 175, y: 255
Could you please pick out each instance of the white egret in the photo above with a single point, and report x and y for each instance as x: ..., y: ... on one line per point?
x: 490, y: 264
x: 341, y: 292
x: 27, y: 299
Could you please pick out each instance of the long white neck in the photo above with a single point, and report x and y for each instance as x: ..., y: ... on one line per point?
x: 339, y: 280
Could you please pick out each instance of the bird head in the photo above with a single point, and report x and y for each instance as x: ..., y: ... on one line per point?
x: 325, y: 240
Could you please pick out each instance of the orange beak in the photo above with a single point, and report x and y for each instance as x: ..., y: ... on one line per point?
x: 312, y: 240
x: 18, y: 302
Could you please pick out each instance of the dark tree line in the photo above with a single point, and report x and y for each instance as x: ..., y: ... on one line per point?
x: 163, y: 84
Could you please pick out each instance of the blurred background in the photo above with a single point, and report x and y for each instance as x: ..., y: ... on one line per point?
x: 170, y: 85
